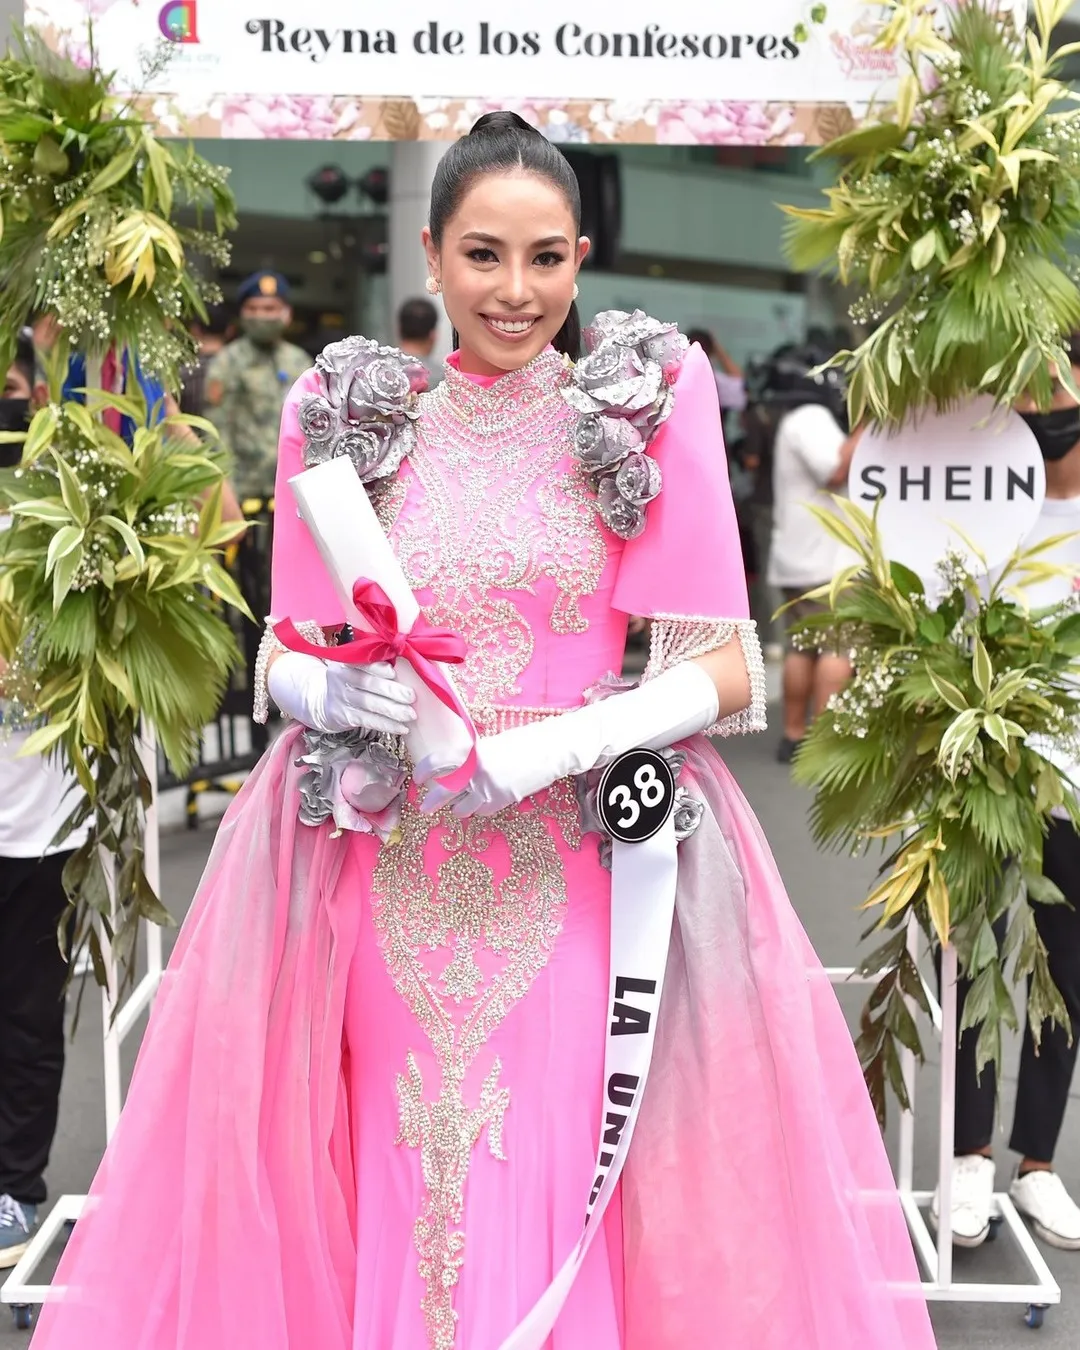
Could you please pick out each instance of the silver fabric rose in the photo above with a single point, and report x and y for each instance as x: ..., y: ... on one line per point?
x: 676, y: 760
x: 368, y: 410
x: 688, y: 814
x: 363, y: 447
x: 617, y: 323
x: 688, y: 810
x: 339, y: 361
x: 353, y: 780
x: 667, y: 349
x: 616, y: 381
x: 620, y: 516
x: 649, y: 418
x: 379, y: 390
x: 638, y: 480
x: 609, y: 365
x: 622, y: 389
x: 585, y: 789
x: 318, y: 421
x: 607, y: 687
x: 604, y: 442
x: 654, y: 340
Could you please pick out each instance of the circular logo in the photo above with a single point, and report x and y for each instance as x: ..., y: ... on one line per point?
x: 972, y: 473
x: 636, y: 796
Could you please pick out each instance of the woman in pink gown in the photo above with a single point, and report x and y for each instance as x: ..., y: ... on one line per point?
x: 366, y: 1111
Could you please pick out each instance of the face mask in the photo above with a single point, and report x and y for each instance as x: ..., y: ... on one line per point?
x: 263, y: 332
x: 14, y: 416
x: 1057, y: 432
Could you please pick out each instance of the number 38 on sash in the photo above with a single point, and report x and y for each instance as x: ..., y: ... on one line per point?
x: 636, y: 796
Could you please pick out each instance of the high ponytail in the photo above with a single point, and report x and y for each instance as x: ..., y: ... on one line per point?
x: 503, y: 142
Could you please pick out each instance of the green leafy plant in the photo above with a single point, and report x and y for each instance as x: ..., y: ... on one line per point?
x: 935, y: 748
x: 952, y: 213
x: 109, y: 585
x: 111, y: 579
x: 88, y: 196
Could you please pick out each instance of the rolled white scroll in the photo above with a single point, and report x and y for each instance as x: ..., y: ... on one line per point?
x: 335, y: 507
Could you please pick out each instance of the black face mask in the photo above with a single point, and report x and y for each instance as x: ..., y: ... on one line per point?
x: 1057, y: 432
x: 14, y: 416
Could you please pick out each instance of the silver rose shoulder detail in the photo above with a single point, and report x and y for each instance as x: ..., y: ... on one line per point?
x: 622, y: 390
x: 367, y: 409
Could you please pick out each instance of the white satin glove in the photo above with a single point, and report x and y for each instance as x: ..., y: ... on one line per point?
x: 331, y: 696
x: 514, y: 764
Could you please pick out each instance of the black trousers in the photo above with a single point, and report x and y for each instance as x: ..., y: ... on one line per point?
x: 32, y: 976
x: 1045, y: 1078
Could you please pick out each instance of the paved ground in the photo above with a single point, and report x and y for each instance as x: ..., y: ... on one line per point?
x: 825, y: 891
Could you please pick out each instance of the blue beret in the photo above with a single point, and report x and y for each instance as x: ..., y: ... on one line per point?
x: 263, y: 283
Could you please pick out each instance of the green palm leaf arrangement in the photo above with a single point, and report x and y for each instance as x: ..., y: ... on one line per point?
x: 89, y: 203
x: 934, y: 748
x: 951, y: 212
x: 112, y: 584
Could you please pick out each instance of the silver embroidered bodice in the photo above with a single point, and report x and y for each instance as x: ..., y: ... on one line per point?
x: 494, y: 523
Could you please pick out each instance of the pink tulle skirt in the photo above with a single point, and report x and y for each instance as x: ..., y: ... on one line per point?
x: 297, y: 1166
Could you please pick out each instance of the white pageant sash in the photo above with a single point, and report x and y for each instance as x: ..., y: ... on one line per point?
x: 643, y: 882
x: 336, y: 509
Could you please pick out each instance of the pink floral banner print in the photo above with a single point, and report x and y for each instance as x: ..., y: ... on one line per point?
x: 742, y: 74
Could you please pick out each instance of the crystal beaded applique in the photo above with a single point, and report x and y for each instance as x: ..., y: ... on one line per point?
x: 435, y: 925
x: 498, y: 517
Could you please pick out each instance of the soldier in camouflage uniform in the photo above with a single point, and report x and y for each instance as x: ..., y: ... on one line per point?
x: 247, y: 382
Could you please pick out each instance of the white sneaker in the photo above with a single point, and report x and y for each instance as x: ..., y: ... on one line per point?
x: 1042, y: 1197
x: 972, y: 1200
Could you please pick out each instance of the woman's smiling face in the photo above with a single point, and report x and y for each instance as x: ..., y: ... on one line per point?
x: 508, y: 261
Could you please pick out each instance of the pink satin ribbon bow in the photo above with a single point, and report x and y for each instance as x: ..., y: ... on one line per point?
x: 422, y: 645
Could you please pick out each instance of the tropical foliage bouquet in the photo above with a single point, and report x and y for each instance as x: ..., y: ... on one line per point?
x: 89, y: 197
x: 111, y: 576
x: 951, y: 212
x: 937, y: 748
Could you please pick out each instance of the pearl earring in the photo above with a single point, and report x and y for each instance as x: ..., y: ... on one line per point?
x: 433, y: 286
x: 576, y: 291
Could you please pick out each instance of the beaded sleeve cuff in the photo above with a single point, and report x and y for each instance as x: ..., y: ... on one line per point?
x: 267, y: 647
x: 677, y: 638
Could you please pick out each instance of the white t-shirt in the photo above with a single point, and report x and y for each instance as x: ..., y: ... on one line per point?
x: 806, y: 455
x: 36, y: 796
x: 731, y: 390
x: 34, y: 802
x: 1059, y: 515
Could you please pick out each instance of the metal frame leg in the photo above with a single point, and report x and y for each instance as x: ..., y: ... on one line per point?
x: 936, y: 1253
x: 17, y: 1288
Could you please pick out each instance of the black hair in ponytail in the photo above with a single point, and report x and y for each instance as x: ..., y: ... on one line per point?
x: 503, y: 142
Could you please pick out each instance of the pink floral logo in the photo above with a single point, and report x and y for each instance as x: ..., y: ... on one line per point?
x: 859, y: 59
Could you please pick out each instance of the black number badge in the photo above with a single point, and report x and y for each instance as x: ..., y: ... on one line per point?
x: 636, y: 796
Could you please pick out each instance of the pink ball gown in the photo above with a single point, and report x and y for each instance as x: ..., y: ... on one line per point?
x: 366, y: 1110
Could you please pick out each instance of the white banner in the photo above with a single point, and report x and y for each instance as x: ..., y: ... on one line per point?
x: 629, y: 50
x: 644, y: 878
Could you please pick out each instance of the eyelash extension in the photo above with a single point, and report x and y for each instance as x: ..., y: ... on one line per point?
x: 483, y: 255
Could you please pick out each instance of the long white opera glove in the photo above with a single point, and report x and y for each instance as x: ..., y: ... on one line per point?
x: 516, y: 763
x: 331, y: 696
